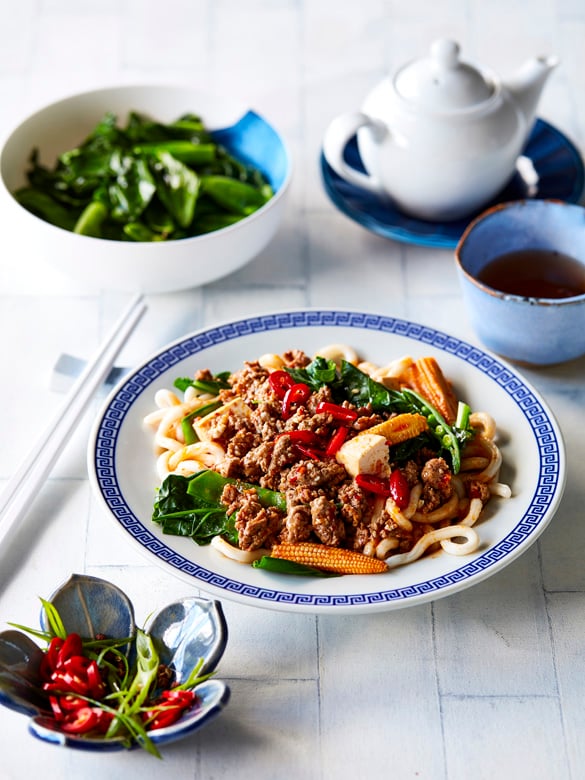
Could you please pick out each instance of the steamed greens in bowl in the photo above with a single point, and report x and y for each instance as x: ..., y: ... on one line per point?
x: 147, y: 181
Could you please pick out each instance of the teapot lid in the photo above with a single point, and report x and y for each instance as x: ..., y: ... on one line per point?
x: 442, y: 81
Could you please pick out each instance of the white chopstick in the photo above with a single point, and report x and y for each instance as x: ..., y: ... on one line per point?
x: 23, y: 486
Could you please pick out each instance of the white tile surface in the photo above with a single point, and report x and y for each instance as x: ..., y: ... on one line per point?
x: 488, y: 683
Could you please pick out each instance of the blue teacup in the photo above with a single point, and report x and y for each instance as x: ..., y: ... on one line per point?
x: 537, y: 321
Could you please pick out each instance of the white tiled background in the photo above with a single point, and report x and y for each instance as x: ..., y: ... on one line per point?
x: 487, y: 684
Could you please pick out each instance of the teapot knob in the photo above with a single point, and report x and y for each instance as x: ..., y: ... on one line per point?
x: 445, y: 54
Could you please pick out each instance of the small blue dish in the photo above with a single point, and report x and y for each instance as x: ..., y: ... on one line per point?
x: 183, y: 632
x: 558, y: 173
x: 534, y: 331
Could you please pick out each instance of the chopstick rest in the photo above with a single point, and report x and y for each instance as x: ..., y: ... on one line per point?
x: 68, y: 367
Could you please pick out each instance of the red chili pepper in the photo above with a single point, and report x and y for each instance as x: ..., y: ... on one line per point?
x: 310, y: 452
x: 95, y: 683
x: 50, y: 658
x: 57, y: 707
x: 280, y: 382
x: 104, y: 720
x: 162, y: 716
x: 80, y: 721
x: 69, y: 703
x: 304, y: 437
x: 399, y: 489
x: 173, y: 705
x: 72, y: 646
x: 336, y: 441
x: 373, y: 484
x: 297, y: 394
x: 67, y: 682
x: 166, y: 718
x: 340, y: 413
x: 76, y: 664
x: 180, y: 697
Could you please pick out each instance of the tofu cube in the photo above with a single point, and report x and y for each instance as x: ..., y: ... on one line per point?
x: 207, y: 427
x: 365, y: 454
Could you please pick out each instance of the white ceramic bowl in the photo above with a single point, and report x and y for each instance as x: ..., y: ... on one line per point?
x: 145, y: 267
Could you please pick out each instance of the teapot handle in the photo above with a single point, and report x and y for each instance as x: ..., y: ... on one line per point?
x: 338, y: 134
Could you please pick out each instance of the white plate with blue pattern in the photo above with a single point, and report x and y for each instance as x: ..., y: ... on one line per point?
x: 122, y: 463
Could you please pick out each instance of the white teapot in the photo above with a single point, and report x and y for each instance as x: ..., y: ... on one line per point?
x: 440, y: 138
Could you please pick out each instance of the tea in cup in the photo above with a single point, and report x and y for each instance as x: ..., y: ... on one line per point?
x: 522, y: 271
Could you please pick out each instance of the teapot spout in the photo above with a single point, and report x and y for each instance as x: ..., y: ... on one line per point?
x: 527, y: 83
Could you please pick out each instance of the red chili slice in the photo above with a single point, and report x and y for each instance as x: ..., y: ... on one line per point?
x: 180, y: 697
x: 94, y: 681
x: 70, y: 682
x: 280, y: 382
x: 163, y: 716
x: 174, y: 703
x: 70, y: 703
x: 373, y: 484
x: 50, y: 658
x: 103, y: 720
x: 304, y: 437
x: 297, y: 394
x: 57, y: 707
x: 80, y: 721
x: 399, y: 489
x: 336, y: 441
x: 340, y: 413
x: 310, y: 452
x: 71, y: 646
x: 76, y: 664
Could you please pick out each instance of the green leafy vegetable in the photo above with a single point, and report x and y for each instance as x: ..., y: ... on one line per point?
x: 176, y: 185
x: 318, y: 373
x: 44, y: 206
x: 181, y: 514
x: 190, y: 506
x: 148, y: 181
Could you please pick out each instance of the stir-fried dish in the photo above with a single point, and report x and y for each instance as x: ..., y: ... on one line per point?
x: 303, y: 464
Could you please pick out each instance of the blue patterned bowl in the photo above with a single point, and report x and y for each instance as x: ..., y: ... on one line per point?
x: 183, y: 632
x: 527, y: 330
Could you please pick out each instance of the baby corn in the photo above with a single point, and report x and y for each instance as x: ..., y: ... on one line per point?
x: 335, y: 559
x: 400, y: 428
x: 426, y: 378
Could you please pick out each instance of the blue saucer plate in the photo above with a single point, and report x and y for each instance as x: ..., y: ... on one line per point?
x: 554, y: 162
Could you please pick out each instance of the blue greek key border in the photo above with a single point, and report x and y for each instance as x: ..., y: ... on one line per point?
x: 550, y: 450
